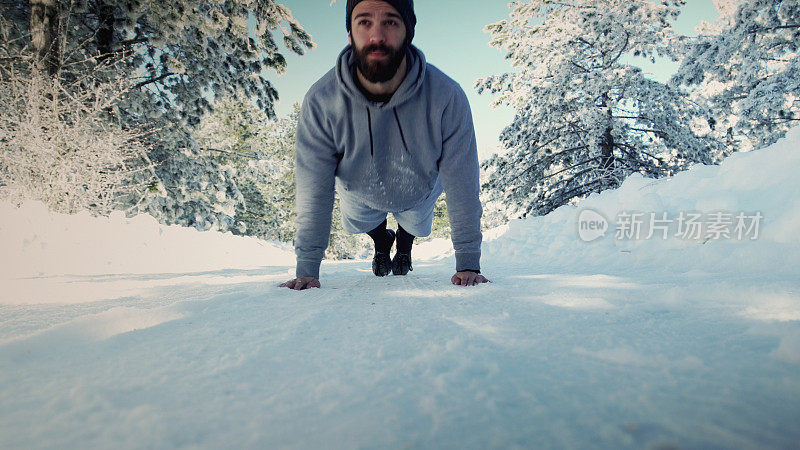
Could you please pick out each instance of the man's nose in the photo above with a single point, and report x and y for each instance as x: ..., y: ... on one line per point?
x: 378, y: 35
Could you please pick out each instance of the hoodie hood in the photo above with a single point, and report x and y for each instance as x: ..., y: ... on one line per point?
x: 407, y: 89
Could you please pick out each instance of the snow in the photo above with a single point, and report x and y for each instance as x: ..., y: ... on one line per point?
x: 124, y: 333
x: 55, y: 258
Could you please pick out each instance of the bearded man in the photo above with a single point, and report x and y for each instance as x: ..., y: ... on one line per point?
x: 389, y: 132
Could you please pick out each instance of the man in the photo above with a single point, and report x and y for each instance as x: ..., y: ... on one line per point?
x: 389, y: 132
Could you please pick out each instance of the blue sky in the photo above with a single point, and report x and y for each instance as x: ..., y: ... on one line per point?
x: 450, y: 33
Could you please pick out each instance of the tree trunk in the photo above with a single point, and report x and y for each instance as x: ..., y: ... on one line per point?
x: 105, y: 32
x: 607, y: 165
x: 44, y: 35
x: 607, y: 152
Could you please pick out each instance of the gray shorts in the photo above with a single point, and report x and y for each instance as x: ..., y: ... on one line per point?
x: 360, y: 218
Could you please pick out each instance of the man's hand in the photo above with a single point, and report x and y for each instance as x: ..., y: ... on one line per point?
x: 298, y: 284
x: 468, y: 279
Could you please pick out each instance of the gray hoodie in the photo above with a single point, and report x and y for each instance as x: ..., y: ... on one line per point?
x: 386, y: 155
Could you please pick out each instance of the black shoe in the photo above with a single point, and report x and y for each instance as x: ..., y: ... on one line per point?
x: 381, y: 264
x: 401, y: 263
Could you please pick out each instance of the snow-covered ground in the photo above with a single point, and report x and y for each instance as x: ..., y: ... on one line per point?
x: 120, y: 333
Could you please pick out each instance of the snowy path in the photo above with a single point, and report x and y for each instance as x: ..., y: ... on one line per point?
x: 669, y: 342
x: 533, y: 359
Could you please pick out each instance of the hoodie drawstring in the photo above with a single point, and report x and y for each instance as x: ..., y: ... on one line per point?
x: 399, y: 127
x: 402, y: 136
x: 371, y: 145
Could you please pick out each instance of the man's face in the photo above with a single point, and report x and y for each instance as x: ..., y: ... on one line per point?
x: 378, y: 37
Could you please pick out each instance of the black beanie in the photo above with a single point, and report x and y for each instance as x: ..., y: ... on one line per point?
x: 404, y: 7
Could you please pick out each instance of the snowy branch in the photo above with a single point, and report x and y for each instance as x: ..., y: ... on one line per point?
x: 154, y: 80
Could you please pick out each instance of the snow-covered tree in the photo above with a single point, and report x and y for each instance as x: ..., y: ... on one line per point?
x: 440, y: 228
x: 180, y: 56
x: 180, y: 52
x: 750, y: 70
x: 59, y: 142
x: 727, y: 11
x: 259, y: 152
x: 584, y: 118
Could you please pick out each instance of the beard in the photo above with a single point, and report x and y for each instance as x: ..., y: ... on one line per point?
x: 379, y: 71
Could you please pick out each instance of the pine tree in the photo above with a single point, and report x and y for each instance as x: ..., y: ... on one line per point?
x: 179, y: 51
x: 440, y: 228
x: 59, y: 142
x: 748, y: 69
x: 258, y: 152
x: 181, y: 55
x: 585, y: 119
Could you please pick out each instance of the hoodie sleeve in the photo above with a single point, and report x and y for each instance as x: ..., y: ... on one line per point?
x: 458, y: 169
x: 315, y: 167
